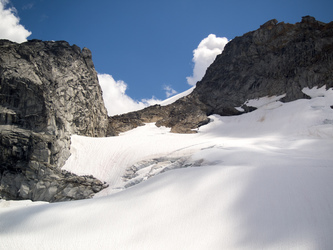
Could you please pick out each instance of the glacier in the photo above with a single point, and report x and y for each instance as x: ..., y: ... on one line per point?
x: 260, y: 180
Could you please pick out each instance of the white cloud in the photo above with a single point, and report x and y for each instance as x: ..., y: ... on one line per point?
x: 10, y: 27
x: 28, y: 6
x: 169, y: 91
x: 115, y: 98
x: 204, y: 55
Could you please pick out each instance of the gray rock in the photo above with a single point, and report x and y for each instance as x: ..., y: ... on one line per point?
x: 182, y: 117
x: 48, y: 91
x: 278, y: 58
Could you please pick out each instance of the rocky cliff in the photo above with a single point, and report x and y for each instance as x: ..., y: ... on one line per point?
x: 276, y: 59
x: 48, y: 91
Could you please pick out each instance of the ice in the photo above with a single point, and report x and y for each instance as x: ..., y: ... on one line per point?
x: 261, y: 180
x: 264, y: 101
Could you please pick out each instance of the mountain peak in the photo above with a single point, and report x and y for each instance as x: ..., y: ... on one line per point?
x: 276, y: 59
x: 50, y: 91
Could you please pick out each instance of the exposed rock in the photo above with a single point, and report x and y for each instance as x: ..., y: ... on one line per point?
x: 182, y: 117
x: 278, y: 58
x: 48, y: 91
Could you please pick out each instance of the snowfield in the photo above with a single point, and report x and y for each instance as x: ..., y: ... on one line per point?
x: 261, y: 180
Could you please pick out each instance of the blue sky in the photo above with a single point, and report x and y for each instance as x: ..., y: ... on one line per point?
x: 149, y: 44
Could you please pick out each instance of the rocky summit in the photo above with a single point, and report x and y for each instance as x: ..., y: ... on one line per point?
x: 48, y: 91
x: 278, y: 58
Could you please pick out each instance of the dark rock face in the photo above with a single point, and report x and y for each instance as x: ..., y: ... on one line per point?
x: 48, y: 91
x: 276, y: 59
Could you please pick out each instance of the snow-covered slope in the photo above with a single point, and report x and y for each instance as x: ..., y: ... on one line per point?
x: 176, y: 97
x: 262, y: 180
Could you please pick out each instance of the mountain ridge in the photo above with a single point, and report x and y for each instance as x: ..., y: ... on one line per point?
x: 278, y: 58
x: 49, y: 91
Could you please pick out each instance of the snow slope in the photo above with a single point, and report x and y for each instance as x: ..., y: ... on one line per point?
x: 176, y: 97
x: 262, y: 180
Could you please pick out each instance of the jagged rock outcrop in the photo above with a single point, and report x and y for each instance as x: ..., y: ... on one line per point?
x: 276, y: 59
x: 181, y: 116
x: 48, y: 91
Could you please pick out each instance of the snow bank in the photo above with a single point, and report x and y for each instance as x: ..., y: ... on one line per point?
x: 262, y: 180
x: 176, y: 97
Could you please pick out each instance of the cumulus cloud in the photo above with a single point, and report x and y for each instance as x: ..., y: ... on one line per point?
x: 115, y: 98
x: 169, y: 91
x: 10, y: 27
x: 204, y: 55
